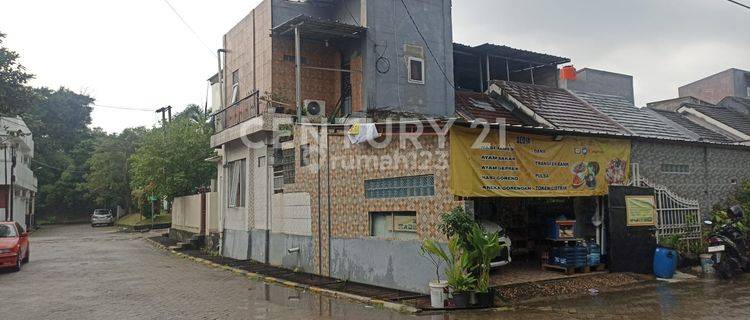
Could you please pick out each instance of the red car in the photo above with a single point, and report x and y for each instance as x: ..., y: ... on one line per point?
x: 14, y: 245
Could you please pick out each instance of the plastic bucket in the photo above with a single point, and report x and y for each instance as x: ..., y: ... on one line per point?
x: 437, y: 294
x: 707, y: 263
x: 665, y: 263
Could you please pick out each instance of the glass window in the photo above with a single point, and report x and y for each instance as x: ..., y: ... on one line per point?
x: 675, y: 168
x: 416, y: 70
x: 236, y: 176
x: 7, y: 231
x: 304, y: 155
x: 236, y: 86
x: 402, y: 187
x: 283, y: 167
x: 394, y: 225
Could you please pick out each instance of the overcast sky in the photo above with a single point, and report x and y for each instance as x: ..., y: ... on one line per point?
x: 138, y: 54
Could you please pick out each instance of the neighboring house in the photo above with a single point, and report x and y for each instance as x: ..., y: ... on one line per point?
x: 712, y: 89
x: 18, y: 185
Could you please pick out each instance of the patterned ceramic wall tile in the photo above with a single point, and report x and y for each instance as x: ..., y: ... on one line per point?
x: 348, y: 166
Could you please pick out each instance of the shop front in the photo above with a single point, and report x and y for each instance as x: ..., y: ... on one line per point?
x: 547, y: 193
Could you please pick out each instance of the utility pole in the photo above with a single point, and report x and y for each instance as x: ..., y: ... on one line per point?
x: 164, y: 111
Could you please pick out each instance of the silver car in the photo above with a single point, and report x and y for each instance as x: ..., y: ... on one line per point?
x: 102, y: 217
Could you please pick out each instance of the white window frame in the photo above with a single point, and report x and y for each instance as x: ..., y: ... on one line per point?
x: 235, y: 86
x: 408, y: 70
x: 237, y: 185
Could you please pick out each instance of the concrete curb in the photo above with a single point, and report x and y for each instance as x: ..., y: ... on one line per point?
x: 322, y: 291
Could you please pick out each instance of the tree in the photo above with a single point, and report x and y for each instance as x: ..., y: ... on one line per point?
x: 63, y: 143
x: 15, y: 96
x: 170, y: 161
x: 107, y: 181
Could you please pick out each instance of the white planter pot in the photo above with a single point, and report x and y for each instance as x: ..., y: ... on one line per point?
x: 438, y: 294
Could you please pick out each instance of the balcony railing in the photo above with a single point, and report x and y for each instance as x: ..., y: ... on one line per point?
x: 245, y: 109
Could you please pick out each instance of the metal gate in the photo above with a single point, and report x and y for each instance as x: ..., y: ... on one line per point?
x: 675, y: 215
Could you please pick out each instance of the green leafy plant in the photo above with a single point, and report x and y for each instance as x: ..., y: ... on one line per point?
x: 483, y: 248
x: 670, y: 241
x: 456, y: 260
x: 433, y: 252
x: 457, y: 223
x: 459, y: 278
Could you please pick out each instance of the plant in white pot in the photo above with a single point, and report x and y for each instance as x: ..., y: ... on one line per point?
x: 438, y: 288
x: 484, y: 247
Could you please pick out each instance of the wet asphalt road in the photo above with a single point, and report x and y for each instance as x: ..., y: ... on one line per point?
x: 77, y: 272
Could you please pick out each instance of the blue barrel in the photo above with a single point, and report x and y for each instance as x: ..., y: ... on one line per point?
x: 665, y: 263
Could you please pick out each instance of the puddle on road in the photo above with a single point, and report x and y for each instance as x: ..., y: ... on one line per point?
x: 699, y: 299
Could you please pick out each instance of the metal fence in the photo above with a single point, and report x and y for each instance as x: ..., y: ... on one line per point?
x: 675, y: 215
x: 240, y: 111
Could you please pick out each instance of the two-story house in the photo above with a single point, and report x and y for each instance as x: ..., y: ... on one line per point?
x: 18, y: 185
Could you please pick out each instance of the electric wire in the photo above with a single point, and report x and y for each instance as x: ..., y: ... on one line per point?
x: 190, y: 28
x: 740, y: 4
x: 121, y: 108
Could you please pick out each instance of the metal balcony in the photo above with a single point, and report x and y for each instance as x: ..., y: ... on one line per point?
x: 245, y: 109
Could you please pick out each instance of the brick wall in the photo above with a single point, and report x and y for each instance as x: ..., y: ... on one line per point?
x: 316, y: 84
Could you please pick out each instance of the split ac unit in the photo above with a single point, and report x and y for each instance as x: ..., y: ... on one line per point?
x: 314, y: 108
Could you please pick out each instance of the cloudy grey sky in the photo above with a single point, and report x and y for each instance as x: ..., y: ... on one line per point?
x: 138, y: 54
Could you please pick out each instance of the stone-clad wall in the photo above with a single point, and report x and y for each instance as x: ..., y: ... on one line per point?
x: 712, y: 169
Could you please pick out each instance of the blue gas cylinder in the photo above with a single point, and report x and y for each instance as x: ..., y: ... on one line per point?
x: 665, y: 263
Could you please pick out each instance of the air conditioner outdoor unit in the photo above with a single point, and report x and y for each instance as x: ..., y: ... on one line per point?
x: 314, y: 108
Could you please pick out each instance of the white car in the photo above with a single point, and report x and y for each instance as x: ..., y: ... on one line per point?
x: 102, y: 217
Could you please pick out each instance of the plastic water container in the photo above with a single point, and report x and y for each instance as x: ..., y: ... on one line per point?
x: 665, y: 263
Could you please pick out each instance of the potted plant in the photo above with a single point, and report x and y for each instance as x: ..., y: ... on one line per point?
x: 460, y: 281
x: 483, y: 248
x: 438, y: 288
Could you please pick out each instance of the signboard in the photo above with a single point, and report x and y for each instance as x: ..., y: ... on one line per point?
x: 641, y: 210
x: 152, y: 198
x: 405, y: 223
x: 526, y: 165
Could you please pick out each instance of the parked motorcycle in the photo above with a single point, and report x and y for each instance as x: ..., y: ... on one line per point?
x: 728, y: 245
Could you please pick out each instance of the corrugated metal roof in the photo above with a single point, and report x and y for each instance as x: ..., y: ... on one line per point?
x: 473, y: 105
x: 703, y: 133
x: 726, y: 116
x: 505, y: 51
x: 640, y: 121
x: 561, y: 108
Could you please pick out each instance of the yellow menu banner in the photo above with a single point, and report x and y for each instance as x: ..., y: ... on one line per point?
x: 527, y: 165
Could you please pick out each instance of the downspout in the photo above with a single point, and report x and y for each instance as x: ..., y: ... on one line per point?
x: 328, y: 193
x: 298, y: 75
x: 320, y: 230
x: 269, y: 200
x: 222, y: 103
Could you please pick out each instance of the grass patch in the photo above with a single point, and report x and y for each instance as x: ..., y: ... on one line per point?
x: 133, y: 220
